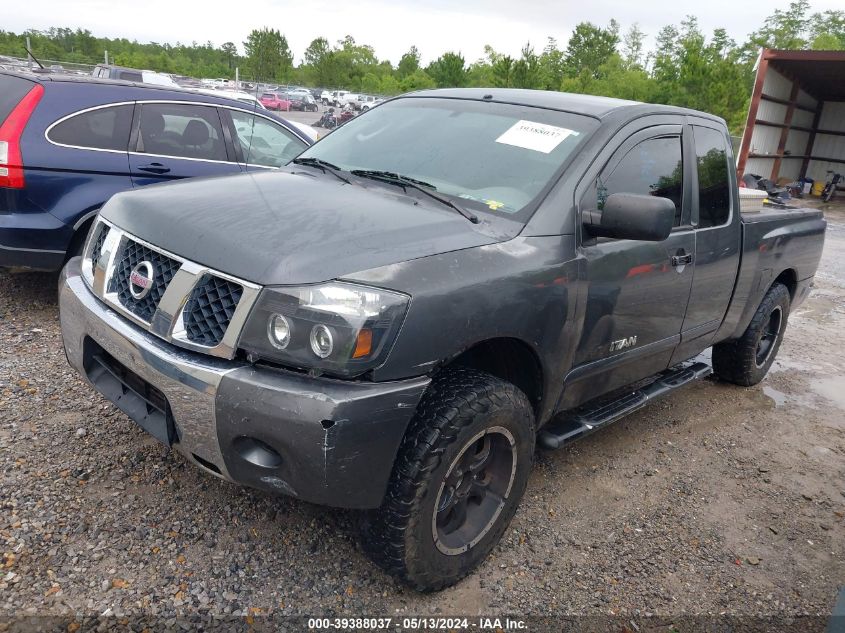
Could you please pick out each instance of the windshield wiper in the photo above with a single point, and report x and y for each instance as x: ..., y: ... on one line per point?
x: 419, y: 185
x: 323, y: 165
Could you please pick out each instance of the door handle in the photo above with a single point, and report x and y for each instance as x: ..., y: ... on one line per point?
x: 154, y: 168
x: 681, y: 260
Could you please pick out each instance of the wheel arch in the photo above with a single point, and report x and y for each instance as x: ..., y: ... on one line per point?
x: 788, y: 278
x: 510, y: 359
x: 80, y: 231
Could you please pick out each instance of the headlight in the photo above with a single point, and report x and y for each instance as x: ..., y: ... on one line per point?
x: 338, y: 328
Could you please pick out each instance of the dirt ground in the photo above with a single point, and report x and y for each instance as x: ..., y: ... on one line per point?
x: 714, y: 500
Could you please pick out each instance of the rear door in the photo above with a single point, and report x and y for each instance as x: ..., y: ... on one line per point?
x: 178, y: 140
x: 717, y: 234
x: 83, y: 163
x: 637, y: 291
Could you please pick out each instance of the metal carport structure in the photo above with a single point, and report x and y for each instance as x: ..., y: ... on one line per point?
x: 796, y: 120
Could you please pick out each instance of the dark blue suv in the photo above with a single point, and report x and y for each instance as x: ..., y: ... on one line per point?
x: 67, y: 144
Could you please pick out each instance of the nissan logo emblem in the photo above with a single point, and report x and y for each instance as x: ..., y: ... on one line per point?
x: 141, y: 280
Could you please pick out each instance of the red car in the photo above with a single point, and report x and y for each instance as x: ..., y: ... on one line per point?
x: 272, y: 101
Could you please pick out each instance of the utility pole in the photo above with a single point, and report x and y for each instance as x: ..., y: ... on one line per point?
x: 106, y: 57
x: 237, y: 79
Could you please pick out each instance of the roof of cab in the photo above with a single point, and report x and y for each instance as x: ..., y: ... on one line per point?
x: 589, y: 105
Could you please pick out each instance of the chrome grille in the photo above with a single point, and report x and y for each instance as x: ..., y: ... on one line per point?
x: 164, y: 268
x: 188, y: 305
x: 97, y: 249
x: 210, y: 309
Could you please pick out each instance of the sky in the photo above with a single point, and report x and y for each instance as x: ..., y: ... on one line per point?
x: 389, y: 26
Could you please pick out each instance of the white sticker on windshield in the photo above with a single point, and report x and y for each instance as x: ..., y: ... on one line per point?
x: 535, y: 136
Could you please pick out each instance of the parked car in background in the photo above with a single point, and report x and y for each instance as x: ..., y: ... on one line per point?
x: 302, y: 102
x: 103, y: 71
x: 69, y: 143
x: 220, y: 82
x: 275, y: 101
x: 326, y: 97
x: 365, y: 102
x: 337, y: 97
x: 238, y: 95
x: 351, y: 99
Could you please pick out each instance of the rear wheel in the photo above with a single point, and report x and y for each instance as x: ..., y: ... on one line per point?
x: 746, y: 361
x: 459, y: 476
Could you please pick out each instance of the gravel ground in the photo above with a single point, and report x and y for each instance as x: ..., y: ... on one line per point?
x: 714, y: 500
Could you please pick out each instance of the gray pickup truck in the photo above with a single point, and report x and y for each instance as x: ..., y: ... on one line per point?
x: 396, y: 319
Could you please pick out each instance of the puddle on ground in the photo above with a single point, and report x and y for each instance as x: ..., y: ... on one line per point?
x: 791, y: 398
x: 831, y: 388
x: 779, y: 397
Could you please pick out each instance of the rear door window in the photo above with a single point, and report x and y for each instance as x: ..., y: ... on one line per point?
x: 103, y: 128
x: 181, y: 131
x: 714, y: 191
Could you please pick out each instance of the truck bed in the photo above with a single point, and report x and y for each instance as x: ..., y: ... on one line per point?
x: 775, y: 242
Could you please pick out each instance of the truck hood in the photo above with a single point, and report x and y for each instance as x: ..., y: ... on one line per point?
x: 296, y: 226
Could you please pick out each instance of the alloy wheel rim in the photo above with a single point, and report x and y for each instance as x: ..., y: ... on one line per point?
x: 474, y: 491
x: 767, y: 341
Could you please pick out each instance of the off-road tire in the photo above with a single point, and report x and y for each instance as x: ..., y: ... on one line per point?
x: 736, y: 360
x: 459, y: 404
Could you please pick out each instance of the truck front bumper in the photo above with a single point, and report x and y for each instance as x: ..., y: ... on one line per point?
x: 326, y: 441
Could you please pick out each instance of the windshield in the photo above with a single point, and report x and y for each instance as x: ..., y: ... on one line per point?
x: 494, y: 157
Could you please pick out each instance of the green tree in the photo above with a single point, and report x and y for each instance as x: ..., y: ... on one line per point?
x: 552, y: 64
x: 616, y: 79
x: 371, y: 83
x: 784, y: 29
x: 526, y: 70
x: 319, y: 62
x: 632, y: 47
x: 418, y: 80
x: 827, y: 30
x: 448, y: 70
x: 268, y: 55
x: 230, y: 51
x: 502, y: 71
x: 589, y: 47
x: 409, y: 64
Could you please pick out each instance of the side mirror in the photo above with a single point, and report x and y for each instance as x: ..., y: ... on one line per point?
x: 630, y: 216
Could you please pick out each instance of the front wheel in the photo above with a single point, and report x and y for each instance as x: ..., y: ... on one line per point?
x: 746, y: 361
x: 460, y: 473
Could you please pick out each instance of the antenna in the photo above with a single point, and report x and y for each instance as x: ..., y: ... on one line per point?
x: 29, y: 52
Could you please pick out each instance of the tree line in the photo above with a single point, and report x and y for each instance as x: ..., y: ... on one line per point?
x: 710, y: 72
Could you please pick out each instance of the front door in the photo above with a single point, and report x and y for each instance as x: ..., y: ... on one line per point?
x: 261, y: 143
x: 637, y: 291
x: 178, y: 140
